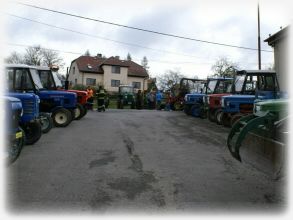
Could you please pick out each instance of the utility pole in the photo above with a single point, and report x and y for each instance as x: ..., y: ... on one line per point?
x: 259, y: 49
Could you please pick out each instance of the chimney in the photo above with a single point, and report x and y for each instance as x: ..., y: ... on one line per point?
x: 117, y: 57
x: 99, y: 55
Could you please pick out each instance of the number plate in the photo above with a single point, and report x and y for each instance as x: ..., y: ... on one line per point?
x: 18, y: 135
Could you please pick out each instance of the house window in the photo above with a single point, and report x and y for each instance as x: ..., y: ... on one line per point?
x: 136, y: 85
x: 75, y: 81
x: 116, y: 69
x: 115, y: 83
x: 90, y: 82
x: 73, y: 70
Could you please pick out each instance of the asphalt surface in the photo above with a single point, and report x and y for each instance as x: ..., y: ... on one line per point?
x: 129, y: 161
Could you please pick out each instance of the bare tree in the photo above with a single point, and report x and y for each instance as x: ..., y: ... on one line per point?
x: 33, y: 56
x: 15, y: 58
x: 224, y: 67
x: 169, y: 80
x: 50, y: 58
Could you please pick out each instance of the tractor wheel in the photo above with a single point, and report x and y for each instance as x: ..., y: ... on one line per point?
x: 218, y: 116
x: 85, y: 111
x: 33, y: 132
x: 187, y: 109
x: 61, y: 117
x: 46, y: 122
x: 78, y: 112
x: 196, y: 110
x: 15, y: 147
x: 211, y: 115
x: 235, y: 118
x: 226, y: 120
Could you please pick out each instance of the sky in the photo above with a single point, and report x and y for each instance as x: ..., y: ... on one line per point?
x: 225, y: 21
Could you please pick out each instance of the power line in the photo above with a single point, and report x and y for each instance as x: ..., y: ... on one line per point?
x: 103, y: 38
x: 24, y: 45
x: 139, y: 29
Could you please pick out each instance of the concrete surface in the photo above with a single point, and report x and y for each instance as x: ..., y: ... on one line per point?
x: 129, y: 161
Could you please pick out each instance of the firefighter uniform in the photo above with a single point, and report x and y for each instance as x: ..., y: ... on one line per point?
x: 101, y: 100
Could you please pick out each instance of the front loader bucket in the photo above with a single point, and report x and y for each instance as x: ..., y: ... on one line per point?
x: 240, y: 130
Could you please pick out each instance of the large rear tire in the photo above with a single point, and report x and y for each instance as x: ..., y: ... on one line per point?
x: 33, y: 132
x: 211, y: 115
x: 46, y: 122
x: 226, y: 120
x: 61, y: 117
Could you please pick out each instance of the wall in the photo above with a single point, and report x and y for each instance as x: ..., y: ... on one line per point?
x: 108, y: 76
x: 281, y: 63
x: 137, y: 79
x: 73, y: 75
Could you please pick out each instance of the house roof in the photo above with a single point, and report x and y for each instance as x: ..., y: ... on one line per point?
x: 277, y: 36
x: 91, y: 64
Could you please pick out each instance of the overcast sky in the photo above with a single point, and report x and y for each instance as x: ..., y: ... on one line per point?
x: 229, y: 22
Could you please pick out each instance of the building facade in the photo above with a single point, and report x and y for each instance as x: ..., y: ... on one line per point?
x: 107, y: 72
x: 280, y: 42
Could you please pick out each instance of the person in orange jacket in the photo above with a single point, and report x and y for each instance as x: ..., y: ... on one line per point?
x: 90, y: 99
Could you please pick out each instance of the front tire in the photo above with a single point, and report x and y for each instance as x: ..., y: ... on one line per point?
x: 46, y: 122
x: 15, y: 148
x: 79, y: 112
x: 33, y: 132
x: 61, y: 117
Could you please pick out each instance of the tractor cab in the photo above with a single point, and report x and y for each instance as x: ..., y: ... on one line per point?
x: 195, y: 104
x: 126, y: 96
x: 51, y: 81
x: 25, y: 79
x: 248, y: 86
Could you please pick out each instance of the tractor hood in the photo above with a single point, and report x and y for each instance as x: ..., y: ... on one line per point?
x: 56, y: 94
x: 279, y: 106
x: 15, y: 102
x: 78, y: 92
x: 193, y: 97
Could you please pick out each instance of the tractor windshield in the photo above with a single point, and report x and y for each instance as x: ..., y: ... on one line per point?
x: 239, y: 81
x: 197, y: 87
x: 57, y: 80
x: 126, y: 89
x: 36, y: 79
x: 211, y: 86
x: 46, y: 79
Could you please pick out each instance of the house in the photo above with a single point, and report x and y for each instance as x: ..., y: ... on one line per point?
x: 280, y: 42
x: 108, y: 72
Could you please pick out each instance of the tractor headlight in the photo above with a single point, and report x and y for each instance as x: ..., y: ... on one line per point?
x: 227, y: 103
x: 185, y: 98
x: 257, y: 108
x: 208, y: 100
x: 21, y: 112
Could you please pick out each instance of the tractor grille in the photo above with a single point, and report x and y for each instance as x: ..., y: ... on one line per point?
x: 28, y: 107
x: 15, y: 119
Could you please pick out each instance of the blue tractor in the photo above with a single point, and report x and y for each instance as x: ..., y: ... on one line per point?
x: 14, y: 134
x: 29, y: 121
x: 248, y: 86
x: 60, y: 105
x: 197, y: 101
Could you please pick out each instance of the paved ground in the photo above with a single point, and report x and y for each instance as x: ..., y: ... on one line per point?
x: 137, y: 161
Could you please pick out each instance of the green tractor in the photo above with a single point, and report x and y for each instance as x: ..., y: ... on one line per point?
x: 269, y: 119
x: 126, y: 97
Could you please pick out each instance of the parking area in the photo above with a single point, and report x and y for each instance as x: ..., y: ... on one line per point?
x: 137, y: 161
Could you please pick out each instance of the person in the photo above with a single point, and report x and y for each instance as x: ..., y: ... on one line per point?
x: 168, y: 102
x: 159, y: 97
x: 90, y: 95
x: 139, y: 100
x: 101, y: 100
x: 152, y: 101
